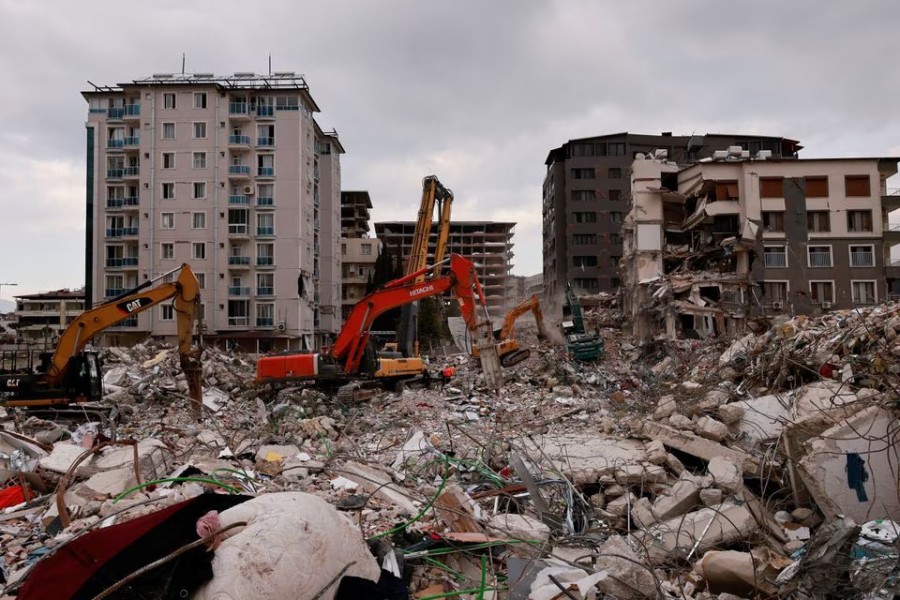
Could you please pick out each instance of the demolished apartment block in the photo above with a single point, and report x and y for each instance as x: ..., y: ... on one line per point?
x: 712, y: 246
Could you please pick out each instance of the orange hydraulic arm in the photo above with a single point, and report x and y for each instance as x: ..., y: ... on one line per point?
x: 185, y: 290
x: 529, y: 304
x: 440, y: 248
x: 352, y: 340
x: 432, y: 193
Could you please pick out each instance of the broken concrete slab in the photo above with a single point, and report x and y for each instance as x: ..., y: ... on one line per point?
x: 640, y: 474
x: 850, y: 468
x: 758, y: 420
x: 665, y: 408
x: 63, y: 456
x: 711, y: 429
x: 107, y: 484
x: 518, y: 527
x: 154, y: 458
x: 697, y: 446
x: 629, y: 576
x: 822, y: 396
x: 726, y: 474
x: 582, y: 458
x: 705, y: 528
x: 678, y: 500
x: 711, y: 496
x: 380, y: 482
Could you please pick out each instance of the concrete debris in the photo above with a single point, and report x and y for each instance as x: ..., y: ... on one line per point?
x: 635, y: 469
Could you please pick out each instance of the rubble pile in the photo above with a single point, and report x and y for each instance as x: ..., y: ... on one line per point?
x: 671, y: 470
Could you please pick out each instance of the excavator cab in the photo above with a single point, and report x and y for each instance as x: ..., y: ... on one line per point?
x: 83, y: 379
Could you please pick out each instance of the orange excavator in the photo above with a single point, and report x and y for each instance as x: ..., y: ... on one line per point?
x: 352, y: 356
x: 72, y: 373
x: 508, y: 347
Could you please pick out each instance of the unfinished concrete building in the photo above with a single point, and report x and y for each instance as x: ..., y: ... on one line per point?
x: 43, y: 317
x: 711, y: 246
x: 586, y: 195
x: 487, y: 243
x: 358, y: 251
x: 232, y: 175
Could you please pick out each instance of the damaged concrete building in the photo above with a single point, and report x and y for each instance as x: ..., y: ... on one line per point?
x: 710, y: 246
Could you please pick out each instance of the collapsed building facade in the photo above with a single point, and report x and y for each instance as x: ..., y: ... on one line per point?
x: 712, y: 246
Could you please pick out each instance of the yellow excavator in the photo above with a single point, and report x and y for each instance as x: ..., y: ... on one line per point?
x: 508, y: 347
x: 72, y: 374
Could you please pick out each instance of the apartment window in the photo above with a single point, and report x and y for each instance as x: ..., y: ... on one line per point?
x: 862, y: 256
x: 584, y: 239
x: 168, y: 131
x: 166, y: 312
x: 198, y: 250
x: 582, y: 149
x: 201, y: 280
x: 168, y: 191
x: 821, y: 291
x: 114, y: 283
x: 584, y: 217
x: 169, y: 101
x: 200, y: 131
x: 582, y: 173
x: 584, y: 261
x: 265, y: 284
x: 818, y: 221
x: 167, y: 220
x: 859, y: 221
x: 616, y: 148
x: 775, y: 291
x: 199, y: 99
x: 773, y: 221
x: 199, y: 160
x: 775, y: 257
x: 365, y: 249
x: 587, y: 283
x: 615, y: 173
x: 265, y: 224
x: 199, y: 189
x: 615, y: 217
x: 265, y: 315
x: 615, y: 239
x: 863, y: 292
x: 238, y: 312
x: 238, y: 220
x: 726, y: 190
x: 819, y: 256
x: 771, y: 187
x: 167, y: 250
x: 817, y: 187
x: 198, y: 220
x: 265, y: 254
x: 343, y: 249
x: 615, y: 194
x: 582, y: 195
x: 857, y: 185
x: 614, y: 260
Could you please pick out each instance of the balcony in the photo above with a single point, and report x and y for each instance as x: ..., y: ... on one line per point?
x: 891, y: 232
x: 239, y: 171
x: 265, y: 322
x: 115, y: 144
x: 130, y: 322
x: 113, y: 292
x: 820, y: 259
x: 121, y: 231
x: 238, y: 261
x: 132, y: 111
x: 265, y: 112
x: 115, y: 173
x: 265, y: 172
x: 265, y: 261
x: 132, y: 141
x: 238, y: 111
x: 238, y: 321
x: 862, y: 259
x: 130, y: 172
x: 775, y: 260
x: 125, y: 261
x: 129, y: 202
x: 265, y: 291
x: 265, y: 142
x: 239, y: 140
x: 240, y: 230
x: 115, y: 114
x: 890, y: 198
x: 238, y: 291
x: 265, y: 202
x: 892, y: 270
x: 239, y: 199
x: 265, y: 231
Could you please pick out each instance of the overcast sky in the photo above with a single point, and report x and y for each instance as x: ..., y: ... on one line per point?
x: 475, y: 91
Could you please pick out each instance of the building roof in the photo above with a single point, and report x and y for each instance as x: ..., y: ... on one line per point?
x: 351, y: 197
x: 64, y: 294
x: 452, y: 224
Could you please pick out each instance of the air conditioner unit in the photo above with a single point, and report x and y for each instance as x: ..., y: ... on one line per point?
x: 826, y: 305
x: 764, y: 154
x: 249, y: 190
x: 778, y: 305
x: 735, y: 150
x: 660, y: 154
x: 720, y: 154
x: 282, y: 327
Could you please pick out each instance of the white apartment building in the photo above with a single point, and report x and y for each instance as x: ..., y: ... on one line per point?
x: 231, y: 175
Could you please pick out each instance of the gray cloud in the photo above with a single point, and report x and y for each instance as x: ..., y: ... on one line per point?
x: 477, y: 92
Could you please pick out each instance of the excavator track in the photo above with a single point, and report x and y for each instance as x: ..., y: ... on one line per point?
x: 514, y: 357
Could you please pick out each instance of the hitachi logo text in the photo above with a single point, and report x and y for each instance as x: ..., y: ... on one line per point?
x: 421, y: 290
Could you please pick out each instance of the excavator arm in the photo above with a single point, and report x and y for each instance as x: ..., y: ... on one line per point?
x: 529, y: 304
x: 185, y: 290
x: 352, y: 340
